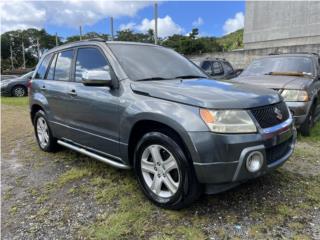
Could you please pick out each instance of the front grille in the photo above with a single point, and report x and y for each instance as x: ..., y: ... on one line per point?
x: 279, y: 151
x: 269, y: 116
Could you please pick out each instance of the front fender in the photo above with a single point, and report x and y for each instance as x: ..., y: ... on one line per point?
x: 182, y: 118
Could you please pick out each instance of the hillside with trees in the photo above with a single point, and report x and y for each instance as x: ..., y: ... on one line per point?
x: 36, y: 42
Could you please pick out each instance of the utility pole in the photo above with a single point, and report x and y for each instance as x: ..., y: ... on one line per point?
x: 111, y: 28
x: 38, y: 49
x: 11, y: 56
x: 23, y: 55
x: 80, y: 32
x: 155, y: 22
x: 56, y: 39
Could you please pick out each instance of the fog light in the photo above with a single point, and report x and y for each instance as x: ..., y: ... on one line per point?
x: 254, y: 161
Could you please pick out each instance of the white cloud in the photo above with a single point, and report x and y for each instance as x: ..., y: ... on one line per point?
x: 130, y: 25
x: 166, y: 26
x: 71, y: 13
x: 21, y: 15
x: 233, y: 24
x: 198, y: 22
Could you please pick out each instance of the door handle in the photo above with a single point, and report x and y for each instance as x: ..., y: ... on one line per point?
x: 73, y: 92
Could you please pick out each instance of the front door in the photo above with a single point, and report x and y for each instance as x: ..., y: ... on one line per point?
x: 94, y: 110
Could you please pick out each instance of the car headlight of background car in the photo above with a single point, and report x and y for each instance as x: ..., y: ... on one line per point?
x: 295, y: 95
x: 228, y: 121
x: 4, y: 84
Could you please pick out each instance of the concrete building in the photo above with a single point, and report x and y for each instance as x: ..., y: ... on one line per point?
x: 270, y: 24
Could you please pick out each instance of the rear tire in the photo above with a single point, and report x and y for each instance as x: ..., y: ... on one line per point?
x: 306, y: 126
x: 168, y: 179
x: 19, y: 91
x: 44, y: 136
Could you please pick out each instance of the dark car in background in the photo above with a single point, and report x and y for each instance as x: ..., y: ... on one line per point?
x: 296, y: 77
x: 219, y: 68
x: 16, y: 87
x: 146, y: 107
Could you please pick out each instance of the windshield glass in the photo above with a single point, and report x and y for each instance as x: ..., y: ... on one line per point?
x: 145, y: 62
x: 279, y: 64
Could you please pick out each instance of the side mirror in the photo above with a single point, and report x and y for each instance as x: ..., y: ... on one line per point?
x: 96, y: 78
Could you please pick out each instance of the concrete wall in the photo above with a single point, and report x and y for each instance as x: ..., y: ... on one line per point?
x: 281, y: 23
x: 241, y: 58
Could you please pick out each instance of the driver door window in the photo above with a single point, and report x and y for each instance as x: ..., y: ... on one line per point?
x: 91, y: 64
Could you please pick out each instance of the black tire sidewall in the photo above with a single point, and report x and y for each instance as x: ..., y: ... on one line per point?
x: 14, y: 88
x: 305, y: 128
x: 51, y: 144
x: 168, y: 143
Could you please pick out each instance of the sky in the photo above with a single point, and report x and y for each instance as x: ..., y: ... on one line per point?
x: 212, y: 18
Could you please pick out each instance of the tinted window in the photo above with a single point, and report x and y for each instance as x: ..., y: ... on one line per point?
x: 50, y: 74
x: 91, y: 64
x: 148, y: 61
x: 217, y: 68
x: 63, y: 66
x: 43, y: 67
x: 206, y: 65
x: 227, y: 67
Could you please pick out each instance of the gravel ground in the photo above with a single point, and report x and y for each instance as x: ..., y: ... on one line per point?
x: 69, y: 196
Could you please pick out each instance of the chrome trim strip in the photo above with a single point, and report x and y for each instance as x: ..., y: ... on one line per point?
x: 77, y: 129
x: 276, y: 128
x: 213, y: 163
x: 93, y: 155
x: 244, y: 152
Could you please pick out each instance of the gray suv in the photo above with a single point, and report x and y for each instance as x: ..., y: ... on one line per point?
x: 146, y: 107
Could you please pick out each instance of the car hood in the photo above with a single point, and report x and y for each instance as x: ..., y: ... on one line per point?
x: 207, y: 93
x: 274, y: 82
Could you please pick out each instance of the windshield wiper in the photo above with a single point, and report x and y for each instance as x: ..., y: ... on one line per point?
x: 189, y: 76
x: 152, y: 79
x: 296, y: 74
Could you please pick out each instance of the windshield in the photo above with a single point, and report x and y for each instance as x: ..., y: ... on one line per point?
x: 279, y: 64
x: 142, y: 62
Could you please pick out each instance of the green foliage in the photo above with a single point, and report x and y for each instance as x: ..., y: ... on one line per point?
x: 232, y: 41
x: 29, y: 38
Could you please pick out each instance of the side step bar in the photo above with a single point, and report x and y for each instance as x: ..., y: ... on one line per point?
x: 93, y: 155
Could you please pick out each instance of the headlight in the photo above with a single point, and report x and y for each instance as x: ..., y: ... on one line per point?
x: 295, y: 95
x: 228, y: 121
x: 3, y: 85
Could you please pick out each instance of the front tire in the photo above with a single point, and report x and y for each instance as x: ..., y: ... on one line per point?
x: 307, y: 125
x: 44, y: 136
x: 164, y: 173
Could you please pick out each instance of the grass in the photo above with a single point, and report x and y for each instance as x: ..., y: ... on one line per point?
x: 15, y: 101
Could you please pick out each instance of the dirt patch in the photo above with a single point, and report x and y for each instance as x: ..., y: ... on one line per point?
x: 68, y: 196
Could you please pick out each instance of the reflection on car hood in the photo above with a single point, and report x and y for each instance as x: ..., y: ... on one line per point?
x: 207, y: 93
x: 274, y: 82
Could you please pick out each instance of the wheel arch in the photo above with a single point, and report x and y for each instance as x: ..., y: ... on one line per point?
x: 144, y: 126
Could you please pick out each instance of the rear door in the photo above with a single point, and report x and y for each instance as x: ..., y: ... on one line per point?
x: 56, y: 88
x: 94, y: 110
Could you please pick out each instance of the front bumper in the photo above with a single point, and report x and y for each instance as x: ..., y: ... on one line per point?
x: 223, y: 156
x: 299, y: 111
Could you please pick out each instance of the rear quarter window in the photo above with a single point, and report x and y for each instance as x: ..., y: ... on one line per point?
x: 42, y: 69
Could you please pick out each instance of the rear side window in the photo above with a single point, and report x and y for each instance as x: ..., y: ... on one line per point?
x: 91, y: 63
x: 50, y: 74
x: 206, y: 65
x: 217, y: 68
x: 43, y: 67
x: 63, y: 66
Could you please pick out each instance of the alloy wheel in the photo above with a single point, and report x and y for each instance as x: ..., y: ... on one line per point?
x: 42, y: 132
x: 160, y: 171
x: 19, y: 92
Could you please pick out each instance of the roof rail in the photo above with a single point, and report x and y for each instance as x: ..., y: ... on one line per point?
x: 95, y: 39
